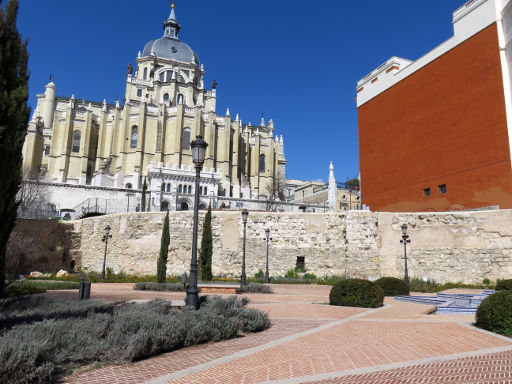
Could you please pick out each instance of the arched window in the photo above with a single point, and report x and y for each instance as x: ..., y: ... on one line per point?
x: 145, y: 73
x: 185, y: 139
x: 200, y: 190
x: 75, y: 146
x: 163, y: 187
x: 166, y: 97
x: 128, y: 186
x: 181, y: 99
x: 262, y: 163
x: 205, y: 191
x: 134, y: 137
x: 139, y: 92
x: 168, y: 187
x: 180, y: 188
x: 189, y: 189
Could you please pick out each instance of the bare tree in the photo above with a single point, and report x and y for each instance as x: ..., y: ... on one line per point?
x: 274, y: 193
x: 32, y: 200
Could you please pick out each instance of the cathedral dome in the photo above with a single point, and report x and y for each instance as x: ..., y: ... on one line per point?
x: 169, y: 48
x: 169, y: 45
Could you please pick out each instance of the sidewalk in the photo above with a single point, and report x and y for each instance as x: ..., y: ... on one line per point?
x: 311, y: 342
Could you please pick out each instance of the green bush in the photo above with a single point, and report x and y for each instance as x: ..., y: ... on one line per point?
x: 495, y: 313
x: 15, y: 290
x: 391, y: 286
x: 504, y: 285
x: 291, y: 274
x: 43, y: 351
x: 356, y: 293
x: 172, y: 287
x: 486, y: 281
x: 259, y: 275
x: 255, y: 288
x: 309, y: 276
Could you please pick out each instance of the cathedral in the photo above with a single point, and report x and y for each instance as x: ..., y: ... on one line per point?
x: 103, y: 146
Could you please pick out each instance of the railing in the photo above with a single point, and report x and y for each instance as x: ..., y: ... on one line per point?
x: 90, y: 206
x: 36, y: 213
x: 460, y: 10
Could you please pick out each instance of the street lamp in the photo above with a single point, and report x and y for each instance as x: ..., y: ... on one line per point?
x: 106, y: 236
x: 198, y: 155
x: 267, y: 239
x: 405, y: 240
x: 245, y: 214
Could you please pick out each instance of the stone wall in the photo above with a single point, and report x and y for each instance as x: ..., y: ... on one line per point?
x: 42, y: 245
x: 455, y: 246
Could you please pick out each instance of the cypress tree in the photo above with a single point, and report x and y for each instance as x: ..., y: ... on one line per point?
x: 14, y: 114
x: 144, y: 189
x: 161, y: 265
x: 206, y: 252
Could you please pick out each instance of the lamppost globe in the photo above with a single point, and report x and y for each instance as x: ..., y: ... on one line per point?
x: 267, y: 233
x: 198, y: 150
x: 404, y: 229
x: 245, y: 215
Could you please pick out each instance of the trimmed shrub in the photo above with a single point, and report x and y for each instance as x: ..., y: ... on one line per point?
x: 495, y: 313
x: 206, y: 252
x: 391, y: 286
x: 504, y: 285
x: 172, y: 287
x: 310, y: 276
x: 161, y: 265
x: 356, y: 293
x: 255, y: 288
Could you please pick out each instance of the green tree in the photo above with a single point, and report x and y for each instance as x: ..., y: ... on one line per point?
x: 144, y: 189
x: 352, y: 183
x: 206, y: 252
x: 161, y: 265
x: 14, y: 114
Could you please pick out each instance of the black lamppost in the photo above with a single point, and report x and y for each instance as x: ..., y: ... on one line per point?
x: 245, y: 214
x: 198, y: 155
x: 267, y: 239
x: 106, y: 236
x: 405, y: 240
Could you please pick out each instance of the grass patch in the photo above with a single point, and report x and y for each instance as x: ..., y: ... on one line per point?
x: 44, y: 351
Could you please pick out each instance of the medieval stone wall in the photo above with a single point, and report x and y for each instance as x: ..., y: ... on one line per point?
x: 455, y: 246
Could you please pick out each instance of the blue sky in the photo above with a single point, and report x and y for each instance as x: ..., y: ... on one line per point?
x: 296, y: 62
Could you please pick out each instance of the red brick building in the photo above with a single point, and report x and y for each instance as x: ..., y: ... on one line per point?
x: 434, y: 134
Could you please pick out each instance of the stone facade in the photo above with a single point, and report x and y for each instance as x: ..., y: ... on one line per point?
x: 446, y: 247
x: 148, y: 135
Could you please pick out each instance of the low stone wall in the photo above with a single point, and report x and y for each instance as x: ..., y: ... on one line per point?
x: 454, y: 246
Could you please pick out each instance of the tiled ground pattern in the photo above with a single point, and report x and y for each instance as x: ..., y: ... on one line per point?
x: 171, y: 362
x: 489, y: 369
x: 399, y: 333
x: 351, y: 345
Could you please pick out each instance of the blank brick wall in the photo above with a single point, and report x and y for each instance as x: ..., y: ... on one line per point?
x: 444, y: 124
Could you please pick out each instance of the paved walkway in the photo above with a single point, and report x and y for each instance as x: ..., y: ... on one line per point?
x: 311, y: 342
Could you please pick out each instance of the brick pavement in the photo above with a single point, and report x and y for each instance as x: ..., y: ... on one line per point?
x: 317, y: 343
